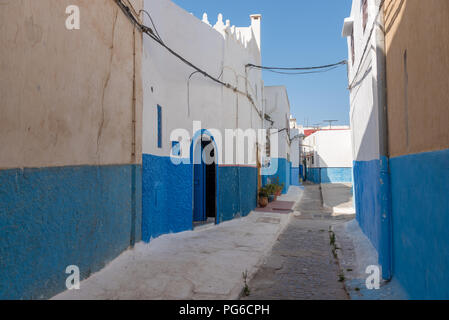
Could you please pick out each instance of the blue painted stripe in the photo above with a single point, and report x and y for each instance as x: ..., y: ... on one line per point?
x: 367, y: 199
x: 238, y: 191
x: 420, y: 206
x: 51, y: 218
x: 329, y: 175
x: 283, y: 173
x: 166, y: 197
x: 295, y: 176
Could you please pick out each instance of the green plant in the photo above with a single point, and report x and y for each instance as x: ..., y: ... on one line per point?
x: 263, y: 193
x: 277, y: 185
x: 246, y: 290
x: 271, y: 189
x: 332, y: 238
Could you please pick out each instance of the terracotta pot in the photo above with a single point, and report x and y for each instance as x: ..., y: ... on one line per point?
x: 263, y: 202
x: 278, y: 193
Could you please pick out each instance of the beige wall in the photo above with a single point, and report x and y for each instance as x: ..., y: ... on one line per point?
x: 418, y: 113
x: 66, y: 97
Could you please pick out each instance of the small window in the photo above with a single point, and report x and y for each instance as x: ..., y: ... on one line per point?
x: 159, y: 126
x: 365, y: 13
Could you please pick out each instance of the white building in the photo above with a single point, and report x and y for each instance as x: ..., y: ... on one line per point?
x: 361, y: 30
x: 296, y: 136
x: 328, y: 157
x: 277, y: 109
x: 179, y: 101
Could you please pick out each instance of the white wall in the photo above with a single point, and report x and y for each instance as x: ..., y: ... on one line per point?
x: 363, y: 111
x: 277, y: 107
x: 332, y: 148
x: 294, y: 147
x: 222, y: 51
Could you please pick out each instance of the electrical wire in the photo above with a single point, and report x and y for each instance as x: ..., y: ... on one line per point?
x: 297, y: 69
x: 299, y: 73
x: 151, y: 34
x: 152, y: 22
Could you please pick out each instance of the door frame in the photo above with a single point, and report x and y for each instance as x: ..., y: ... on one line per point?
x: 198, y: 136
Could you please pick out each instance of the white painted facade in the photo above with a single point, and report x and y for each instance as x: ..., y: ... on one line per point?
x: 363, y: 81
x: 295, y: 150
x: 329, y: 149
x: 296, y: 137
x: 186, y: 96
x: 277, y: 109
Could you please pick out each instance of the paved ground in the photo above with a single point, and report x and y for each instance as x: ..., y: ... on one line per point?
x: 302, y: 264
x: 338, y: 198
x: 356, y: 253
x: 207, y: 263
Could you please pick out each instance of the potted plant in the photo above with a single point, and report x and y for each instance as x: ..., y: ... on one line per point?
x: 263, y: 197
x: 278, y: 187
x: 271, y: 189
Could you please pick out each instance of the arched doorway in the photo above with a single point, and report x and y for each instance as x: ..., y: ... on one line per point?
x: 204, y: 182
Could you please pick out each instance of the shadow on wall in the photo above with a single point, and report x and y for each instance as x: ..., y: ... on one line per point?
x: 366, y: 175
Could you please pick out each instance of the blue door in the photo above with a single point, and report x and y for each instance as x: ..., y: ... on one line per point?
x: 199, y: 202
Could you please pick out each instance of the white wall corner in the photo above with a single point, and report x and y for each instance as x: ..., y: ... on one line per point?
x: 348, y: 26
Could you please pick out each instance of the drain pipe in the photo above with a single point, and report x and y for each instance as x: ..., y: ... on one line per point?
x: 385, y: 252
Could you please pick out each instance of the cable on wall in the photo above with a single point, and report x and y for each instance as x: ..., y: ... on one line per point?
x: 147, y: 30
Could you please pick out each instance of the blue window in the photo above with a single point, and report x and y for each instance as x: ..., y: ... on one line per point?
x: 159, y: 126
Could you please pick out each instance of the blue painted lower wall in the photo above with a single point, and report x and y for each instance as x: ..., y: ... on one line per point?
x: 166, y: 197
x: 238, y: 191
x: 167, y: 205
x: 295, y: 176
x: 283, y: 173
x: 329, y: 175
x: 420, y: 206
x: 367, y: 198
x: 51, y: 218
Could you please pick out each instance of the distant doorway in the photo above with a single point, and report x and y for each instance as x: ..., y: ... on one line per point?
x: 205, y: 183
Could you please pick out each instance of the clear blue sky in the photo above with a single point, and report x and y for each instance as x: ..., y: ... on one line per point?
x: 295, y: 33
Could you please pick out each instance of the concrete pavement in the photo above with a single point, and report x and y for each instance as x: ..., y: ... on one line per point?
x: 338, y: 198
x: 206, y: 263
x: 355, y: 254
x: 302, y: 264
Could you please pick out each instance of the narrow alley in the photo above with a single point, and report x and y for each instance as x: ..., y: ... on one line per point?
x: 224, y: 150
x: 207, y: 263
x: 302, y: 265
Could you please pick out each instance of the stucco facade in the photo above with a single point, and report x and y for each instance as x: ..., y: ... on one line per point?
x: 277, y: 109
x: 417, y: 47
x: 405, y: 186
x: 70, y: 160
x: 364, y: 116
x: 328, y: 156
x: 186, y: 100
